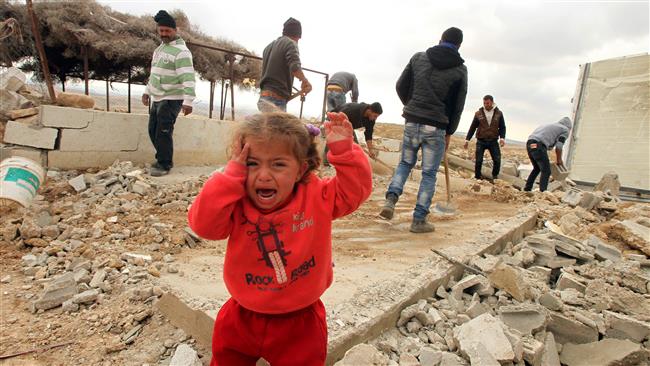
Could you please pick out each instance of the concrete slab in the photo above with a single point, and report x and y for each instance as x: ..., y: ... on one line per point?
x: 606, y: 352
x: 21, y: 134
x: 109, y: 131
x: 65, y: 117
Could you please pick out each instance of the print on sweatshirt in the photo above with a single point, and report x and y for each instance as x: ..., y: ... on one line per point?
x: 267, y: 236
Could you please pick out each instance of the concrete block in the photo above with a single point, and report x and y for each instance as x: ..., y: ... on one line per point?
x: 625, y: 327
x: 78, y: 183
x: 572, y: 197
x: 527, y: 319
x: 65, y: 117
x: 56, y: 292
x: 604, y: 251
x: 98, y: 278
x: 511, y: 280
x: 37, y: 155
x: 21, y: 134
x: 194, y: 322
x: 558, y: 173
x: 109, y: 131
x: 543, y: 272
x: 567, y: 330
x: 185, y: 355
x: 609, y: 183
x: 510, y: 169
x: 589, y: 200
x: 554, y: 261
x: 541, y: 244
x: 22, y: 113
x: 430, y: 357
x: 634, y: 234
x: 608, y: 352
x: 568, y: 280
x: 533, y: 350
x: 471, y: 284
x: 12, y: 79
x: 550, y: 356
x: 488, y: 332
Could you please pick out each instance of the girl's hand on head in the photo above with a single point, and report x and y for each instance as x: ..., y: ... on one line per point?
x: 338, y: 127
x: 239, y: 152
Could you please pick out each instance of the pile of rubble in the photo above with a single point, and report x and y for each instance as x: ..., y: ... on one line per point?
x: 100, y: 238
x: 551, y: 299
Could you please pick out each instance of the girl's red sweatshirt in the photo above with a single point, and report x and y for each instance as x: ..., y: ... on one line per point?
x: 281, y: 261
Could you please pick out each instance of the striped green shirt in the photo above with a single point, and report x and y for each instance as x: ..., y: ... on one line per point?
x: 172, y: 73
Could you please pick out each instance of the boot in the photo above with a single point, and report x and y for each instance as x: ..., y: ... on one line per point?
x: 389, y: 206
x: 421, y: 226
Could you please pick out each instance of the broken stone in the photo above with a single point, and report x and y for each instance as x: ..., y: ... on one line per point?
x: 78, y: 183
x: 554, y: 261
x: 550, y: 356
x: 136, y: 257
x: 130, y: 337
x: 572, y: 197
x: 633, y: 234
x: 566, y: 330
x: 406, y: 359
x: 567, y: 280
x: 471, y: 284
x: 86, y: 297
x: 69, y: 306
x: 527, y: 319
x: 363, y: 354
x: 479, y: 355
x: 406, y: 314
x: 98, y: 278
x: 550, y: 302
x: 5, y: 279
x: 475, y: 309
x: 185, y: 356
x: 533, y: 350
x: 604, y: 251
x: 140, y: 187
x: 589, y: 200
x: 487, y: 331
x: 430, y: 357
x: 511, y: 280
x: 609, y: 183
x: 605, y: 352
x: 451, y: 359
x: 542, y: 272
x: 625, y: 327
x: 56, y: 293
x: 486, y: 264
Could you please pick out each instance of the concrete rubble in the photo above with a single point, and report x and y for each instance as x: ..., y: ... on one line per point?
x: 555, y: 299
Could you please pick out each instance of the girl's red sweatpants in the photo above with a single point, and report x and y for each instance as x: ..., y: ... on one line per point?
x: 242, y: 336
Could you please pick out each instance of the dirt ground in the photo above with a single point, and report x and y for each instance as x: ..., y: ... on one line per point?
x: 366, y: 249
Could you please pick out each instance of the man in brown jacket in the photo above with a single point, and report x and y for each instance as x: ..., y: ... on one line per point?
x: 490, y: 135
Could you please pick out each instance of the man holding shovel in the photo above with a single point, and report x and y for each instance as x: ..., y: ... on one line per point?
x: 280, y: 64
x: 432, y: 88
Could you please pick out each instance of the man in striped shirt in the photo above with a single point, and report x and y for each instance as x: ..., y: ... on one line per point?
x: 171, y: 86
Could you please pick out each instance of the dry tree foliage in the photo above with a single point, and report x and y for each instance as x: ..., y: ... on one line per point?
x: 115, y: 42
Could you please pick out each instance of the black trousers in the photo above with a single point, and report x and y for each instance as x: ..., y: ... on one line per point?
x: 162, y: 117
x: 538, y: 156
x: 495, y: 153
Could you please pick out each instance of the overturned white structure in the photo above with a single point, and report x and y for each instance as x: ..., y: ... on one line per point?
x: 612, y: 122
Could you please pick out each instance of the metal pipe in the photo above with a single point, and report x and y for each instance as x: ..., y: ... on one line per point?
x: 129, y: 89
x: 232, y: 88
x: 41, y: 51
x: 108, y: 106
x: 211, y: 98
x: 327, y: 78
x: 84, y: 50
x: 225, y: 98
x: 221, y: 102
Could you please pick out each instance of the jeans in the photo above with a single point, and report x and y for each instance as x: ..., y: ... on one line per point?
x: 271, y: 104
x: 495, y: 153
x: 539, y: 158
x: 334, y: 100
x: 432, y: 141
x: 162, y: 117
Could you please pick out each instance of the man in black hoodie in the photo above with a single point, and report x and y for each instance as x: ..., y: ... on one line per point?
x: 432, y: 88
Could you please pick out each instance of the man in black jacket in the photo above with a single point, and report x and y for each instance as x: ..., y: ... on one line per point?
x: 432, y: 88
x: 491, y: 133
x: 361, y: 115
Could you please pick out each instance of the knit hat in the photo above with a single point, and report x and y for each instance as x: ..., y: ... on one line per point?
x: 453, y: 35
x: 376, y: 108
x: 163, y: 18
x: 292, y: 28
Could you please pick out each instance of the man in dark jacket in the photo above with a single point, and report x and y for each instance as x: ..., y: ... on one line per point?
x: 432, y: 88
x: 361, y: 115
x: 491, y: 133
x: 280, y: 64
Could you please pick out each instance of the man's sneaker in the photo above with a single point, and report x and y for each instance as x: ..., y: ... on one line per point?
x: 421, y: 226
x: 389, y: 207
x: 158, y: 172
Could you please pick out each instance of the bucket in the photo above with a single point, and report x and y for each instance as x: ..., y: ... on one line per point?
x: 20, y: 179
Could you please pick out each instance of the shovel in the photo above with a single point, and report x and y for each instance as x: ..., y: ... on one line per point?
x: 446, y: 208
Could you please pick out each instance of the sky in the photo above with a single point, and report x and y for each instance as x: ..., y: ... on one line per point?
x: 525, y: 53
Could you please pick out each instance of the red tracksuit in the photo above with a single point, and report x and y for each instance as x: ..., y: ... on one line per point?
x: 278, y: 264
